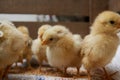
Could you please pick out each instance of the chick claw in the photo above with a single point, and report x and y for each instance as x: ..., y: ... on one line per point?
x: 109, y: 77
x: 113, y: 73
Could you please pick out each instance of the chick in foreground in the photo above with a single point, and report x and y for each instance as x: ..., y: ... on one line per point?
x: 26, y: 53
x: 62, y: 50
x: 39, y: 51
x: 99, y: 47
x: 11, y: 44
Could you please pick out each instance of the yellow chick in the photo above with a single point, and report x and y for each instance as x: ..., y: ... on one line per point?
x: 39, y: 51
x: 11, y: 44
x: 62, y: 50
x: 27, y: 53
x: 99, y: 47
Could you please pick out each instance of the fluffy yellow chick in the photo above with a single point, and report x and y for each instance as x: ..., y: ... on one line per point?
x: 39, y: 50
x: 11, y: 44
x: 27, y: 53
x: 99, y: 47
x: 62, y: 50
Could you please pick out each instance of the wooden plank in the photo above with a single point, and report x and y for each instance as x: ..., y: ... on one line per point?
x: 114, y: 5
x: 37, y: 77
x: 76, y: 27
x: 58, y: 7
x: 96, y: 7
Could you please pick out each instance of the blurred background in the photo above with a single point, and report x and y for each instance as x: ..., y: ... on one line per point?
x: 77, y: 15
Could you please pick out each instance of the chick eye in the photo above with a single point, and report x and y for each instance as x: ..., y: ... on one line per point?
x: 51, y: 39
x: 112, y: 22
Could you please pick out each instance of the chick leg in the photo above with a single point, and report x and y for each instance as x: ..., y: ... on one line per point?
x: 89, y: 75
x: 113, y: 73
x: 6, y: 72
x: 78, y: 69
x: 28, y: 58
x: 106, y: 74
x: 29, y: 67
x: 65, y: 70
x: 77, y: 74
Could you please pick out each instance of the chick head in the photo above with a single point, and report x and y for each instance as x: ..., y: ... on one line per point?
x: 5, y: 22
x: 42, y: 29
x: 23, y: 29
x: 107, y: 21
x: 5, y: 26
x: 52, y: 35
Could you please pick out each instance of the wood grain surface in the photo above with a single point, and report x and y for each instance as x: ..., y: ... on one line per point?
x: 51, y: 7
x: 81, y: 28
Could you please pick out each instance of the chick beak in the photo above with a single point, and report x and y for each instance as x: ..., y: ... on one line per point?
x: 118, y: 26
x: 44, y: 42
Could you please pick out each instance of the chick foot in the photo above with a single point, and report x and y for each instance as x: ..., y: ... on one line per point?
x: 89, y: 75
x: 106, y: 74
x: 113, y: 73
x: 4, y: 76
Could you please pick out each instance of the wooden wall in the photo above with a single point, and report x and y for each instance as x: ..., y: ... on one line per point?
x: 114, y: 5
x: 96, y: 7
x: 58, y: 7
x: 81, y: 8
x: 75, y: 27
x: 51, y: 7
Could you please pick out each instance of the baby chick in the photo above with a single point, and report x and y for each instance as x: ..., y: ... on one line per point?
x: 27, y: 53
x: 62, y: 50
x: 11, y: 44
x: 39, y: 50
x: 99, y: 47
